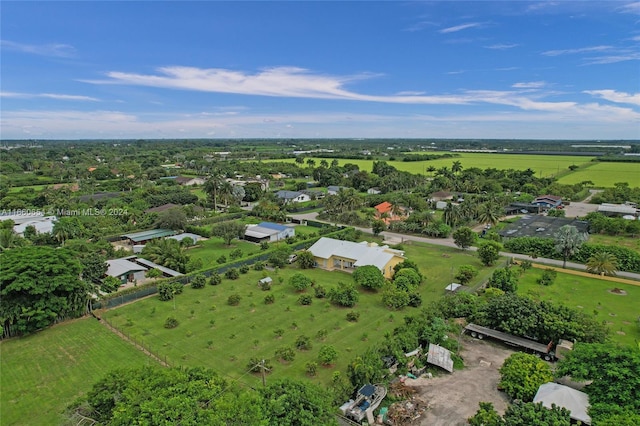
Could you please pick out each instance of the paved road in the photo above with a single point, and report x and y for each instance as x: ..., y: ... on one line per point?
x: 395, y: 238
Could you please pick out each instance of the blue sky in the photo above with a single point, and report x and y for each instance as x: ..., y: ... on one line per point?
x: 453, y: 69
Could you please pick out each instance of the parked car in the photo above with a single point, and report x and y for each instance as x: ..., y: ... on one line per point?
x: 292, y: 258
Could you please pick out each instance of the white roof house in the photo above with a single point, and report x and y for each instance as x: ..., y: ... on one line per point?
x: 42, y: 225
x: 331, y: 254
x: 563, y: 396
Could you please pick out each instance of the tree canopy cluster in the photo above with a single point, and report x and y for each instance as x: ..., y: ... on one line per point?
x: 198, y: 396
x: 39, y: 286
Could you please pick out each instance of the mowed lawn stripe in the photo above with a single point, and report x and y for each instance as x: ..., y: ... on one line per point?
x: 43, y: 373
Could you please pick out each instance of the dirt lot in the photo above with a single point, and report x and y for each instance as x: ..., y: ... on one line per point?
x: 453, y: 398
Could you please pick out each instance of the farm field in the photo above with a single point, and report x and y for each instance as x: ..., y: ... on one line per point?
x: 543, y: 165
x: 213, y: 334
x: 593, y: 296
x: 43, y: 373
x: 605, y: 174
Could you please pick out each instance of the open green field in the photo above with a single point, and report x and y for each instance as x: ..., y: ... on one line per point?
x: 43, y: 373
x: 605, y: 174
x: 238, y: 333
x: 543, y: 165
x: 613, y: 240
x: 593, y: 296
x: 210, y: 250
x: 36, y: 188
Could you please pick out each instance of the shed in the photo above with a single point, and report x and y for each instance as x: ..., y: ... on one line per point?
x: 266, y: 280
x: 125, y: 270
x: 145, y: 236
x: 563, y: 396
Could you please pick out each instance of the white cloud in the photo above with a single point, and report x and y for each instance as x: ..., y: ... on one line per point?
x: 612, y: 59
x: 459, y: 28
x: 617, y: 97
x: 578, y: 50
x: 502, y: 46
x: 55, y: 49
x: 633, y: 8
x: 410, y: 93
x: 301, y: 83
x: 57, y: 96
x: 529, y: 85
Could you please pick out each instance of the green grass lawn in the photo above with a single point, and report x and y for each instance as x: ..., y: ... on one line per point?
x: 241, y: 332
x: 605, y: 174
x: 210, y: 250
x: 613, y: 240
x: 43, y: 373
x: 199, y: 192
x: 591, y: 295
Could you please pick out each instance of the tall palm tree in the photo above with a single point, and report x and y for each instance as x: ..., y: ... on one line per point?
x: 452, y: 215
x: 603, y: 263
x: 567, y: 242
x: 212, y: 187
x: 456, y: 167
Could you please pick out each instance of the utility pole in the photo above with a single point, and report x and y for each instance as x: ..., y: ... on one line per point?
x: 262, y: 372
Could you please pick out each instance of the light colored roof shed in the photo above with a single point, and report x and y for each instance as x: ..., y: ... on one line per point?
x: 119, y: 267
x: 563, y: 396
x: 148, y: 235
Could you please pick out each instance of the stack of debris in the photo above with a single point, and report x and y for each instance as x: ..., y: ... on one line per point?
x: 404, y: 413
x: 399, y: 390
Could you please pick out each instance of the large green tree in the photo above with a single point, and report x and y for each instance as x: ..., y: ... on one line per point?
x: 464, y: 237
x: 369, y: 277
x: 228, y: 231
x: 39, y: 285
x: 522, y: 374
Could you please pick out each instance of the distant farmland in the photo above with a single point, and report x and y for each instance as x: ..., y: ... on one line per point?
x: 605, y: 174
x: 601, y: 174
x: 543, y: 165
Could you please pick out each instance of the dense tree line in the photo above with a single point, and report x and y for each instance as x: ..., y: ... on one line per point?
x: 39, y: 286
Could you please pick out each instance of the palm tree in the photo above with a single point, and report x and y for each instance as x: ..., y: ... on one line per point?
x: 603, y: 263
x: 452, y: 215
x: 489, y: 213
x: 166, y: 252
x: 212, y: 187
x: 456, y: 167
x: 567, y: 242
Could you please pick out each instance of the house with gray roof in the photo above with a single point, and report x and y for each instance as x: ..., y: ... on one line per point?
x: 331, y: 254
x: 292, y: 196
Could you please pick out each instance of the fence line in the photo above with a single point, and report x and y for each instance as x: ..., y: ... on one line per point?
x: 134, y: 341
